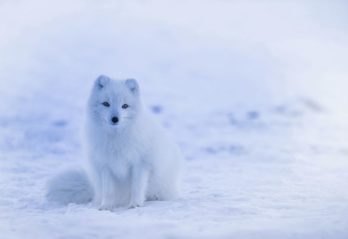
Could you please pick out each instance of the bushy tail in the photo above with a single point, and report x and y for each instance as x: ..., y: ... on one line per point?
x: 70, y: 187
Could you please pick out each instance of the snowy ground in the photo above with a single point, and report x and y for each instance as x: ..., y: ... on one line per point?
x: 254, y: 92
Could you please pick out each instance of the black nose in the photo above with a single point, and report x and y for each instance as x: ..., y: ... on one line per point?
x: 114, y: 120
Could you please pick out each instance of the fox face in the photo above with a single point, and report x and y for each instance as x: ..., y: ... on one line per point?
x: 114, y: 103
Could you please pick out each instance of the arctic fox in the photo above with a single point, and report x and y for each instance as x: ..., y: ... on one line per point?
x: 130, y: 159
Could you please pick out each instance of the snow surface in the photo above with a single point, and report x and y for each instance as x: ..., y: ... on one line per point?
x: 254, y: 92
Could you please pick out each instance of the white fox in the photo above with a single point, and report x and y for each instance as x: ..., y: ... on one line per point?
x: 130, y: 158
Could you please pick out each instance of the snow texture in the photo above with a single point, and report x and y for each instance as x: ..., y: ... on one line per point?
x: 254, y: 93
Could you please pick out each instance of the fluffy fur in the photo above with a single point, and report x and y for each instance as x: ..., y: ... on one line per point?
x: 131, y: 160
x: 71, y: 186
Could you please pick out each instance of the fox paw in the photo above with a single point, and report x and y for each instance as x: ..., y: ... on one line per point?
x: 135, y: 204
x: 105, y: 207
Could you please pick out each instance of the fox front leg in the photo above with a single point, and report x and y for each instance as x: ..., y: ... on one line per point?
x: 139, y: 182
x: 108, y: 194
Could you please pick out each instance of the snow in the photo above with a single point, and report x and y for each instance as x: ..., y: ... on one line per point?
x: 254, y: 92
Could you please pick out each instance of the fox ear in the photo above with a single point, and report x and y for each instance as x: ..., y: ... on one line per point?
x: 101, y: 81
x: 133, y: 86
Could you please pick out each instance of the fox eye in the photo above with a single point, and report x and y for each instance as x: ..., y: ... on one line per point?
x: 106, y: 104
x: 125, y: 106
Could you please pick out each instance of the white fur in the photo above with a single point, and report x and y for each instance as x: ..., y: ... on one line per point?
x: 70, y: 187
x: 133, y: 160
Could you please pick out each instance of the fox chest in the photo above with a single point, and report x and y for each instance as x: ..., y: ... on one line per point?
x: 121, y: 161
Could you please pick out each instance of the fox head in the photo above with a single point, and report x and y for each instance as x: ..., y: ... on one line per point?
x: 114, y: 103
